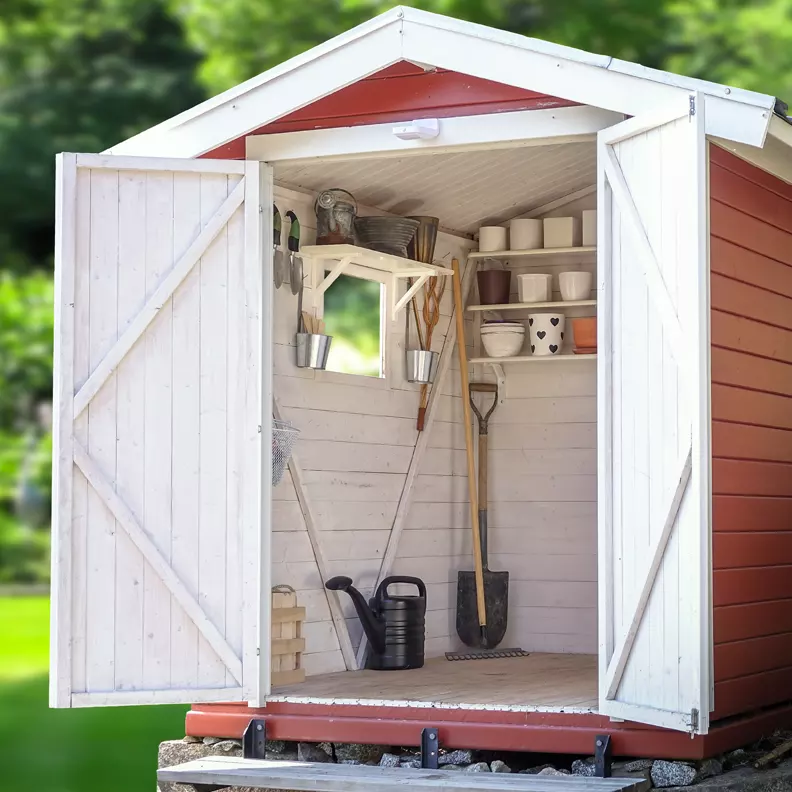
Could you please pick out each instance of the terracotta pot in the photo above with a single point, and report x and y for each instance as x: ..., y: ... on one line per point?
x: 494, y: 286
x: 584, y: 332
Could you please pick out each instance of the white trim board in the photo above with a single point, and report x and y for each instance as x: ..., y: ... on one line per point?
x: 464, y: 133
x: 407, y: 34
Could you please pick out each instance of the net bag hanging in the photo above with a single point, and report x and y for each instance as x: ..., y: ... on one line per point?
x: 284, y: 436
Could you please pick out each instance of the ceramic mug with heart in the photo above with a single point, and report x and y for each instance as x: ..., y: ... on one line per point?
x: 546, y: 332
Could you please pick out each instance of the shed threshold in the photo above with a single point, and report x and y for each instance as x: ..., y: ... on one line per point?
x: 220, y: 771
x: 536, y: 683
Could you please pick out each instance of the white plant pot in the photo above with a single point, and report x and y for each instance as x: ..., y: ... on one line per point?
x: 525, y: 234
x: 492, y: 238
x: 534, y: 287
x: 575, y: 285
x: 546, y: 333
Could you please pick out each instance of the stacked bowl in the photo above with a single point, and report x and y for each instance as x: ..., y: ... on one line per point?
x: 502, y: 339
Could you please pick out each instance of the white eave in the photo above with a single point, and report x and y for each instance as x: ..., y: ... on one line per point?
x: 435, y: 41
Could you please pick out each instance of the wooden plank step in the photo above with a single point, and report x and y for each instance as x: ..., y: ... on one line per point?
x: 221, y: 771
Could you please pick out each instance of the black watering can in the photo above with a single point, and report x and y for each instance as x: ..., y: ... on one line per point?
x: 394, y: 625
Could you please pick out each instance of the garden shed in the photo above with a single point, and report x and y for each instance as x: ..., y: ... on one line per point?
x: 640, y: 497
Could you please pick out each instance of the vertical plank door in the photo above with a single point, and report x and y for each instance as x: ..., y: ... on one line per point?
x: 653, y: 419
x: 161, y: 482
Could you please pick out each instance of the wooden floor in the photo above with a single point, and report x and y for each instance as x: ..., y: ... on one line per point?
x: 537, y: 683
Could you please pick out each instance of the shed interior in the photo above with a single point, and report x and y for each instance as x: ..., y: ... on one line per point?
x: 360, y: 462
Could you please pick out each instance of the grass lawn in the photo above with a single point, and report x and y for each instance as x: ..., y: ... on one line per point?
x: 83, y: 750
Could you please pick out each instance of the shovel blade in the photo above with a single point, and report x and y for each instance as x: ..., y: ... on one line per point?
x: 496, y: 600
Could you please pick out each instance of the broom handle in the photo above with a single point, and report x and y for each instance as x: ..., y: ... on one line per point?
x: 471, y: 465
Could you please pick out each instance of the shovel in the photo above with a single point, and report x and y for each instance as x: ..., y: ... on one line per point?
x: 496, y: 584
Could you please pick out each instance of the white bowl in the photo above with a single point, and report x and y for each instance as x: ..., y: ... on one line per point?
x: 503, y: 327
x: 547, y: 333
x: 534, y: 287
x: 498, y: 345
x: 575, y: 285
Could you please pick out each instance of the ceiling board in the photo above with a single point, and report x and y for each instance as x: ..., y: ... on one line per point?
x: 465, y: 190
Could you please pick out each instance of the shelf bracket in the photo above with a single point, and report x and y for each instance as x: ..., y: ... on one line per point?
x: 500, y: 378
x: 397, y: 305
x: 331, y: 277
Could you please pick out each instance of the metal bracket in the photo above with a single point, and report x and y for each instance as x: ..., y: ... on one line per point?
x: 602, y: 756
x: 430, y: 746
x: 254, y: 740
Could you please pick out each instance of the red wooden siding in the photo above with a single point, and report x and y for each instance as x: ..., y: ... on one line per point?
x: 751, y: 289
x: 402, y: 92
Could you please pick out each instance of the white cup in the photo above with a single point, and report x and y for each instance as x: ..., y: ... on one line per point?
x: 492, y: 238
x: 525, y: 234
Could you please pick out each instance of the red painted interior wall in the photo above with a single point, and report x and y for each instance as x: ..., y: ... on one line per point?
x: 402, y: 92
x: 751, y: 271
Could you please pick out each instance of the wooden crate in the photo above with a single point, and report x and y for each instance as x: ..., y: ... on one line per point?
x: 287, y: 641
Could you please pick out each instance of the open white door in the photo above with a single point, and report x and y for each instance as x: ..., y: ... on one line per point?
x: 653, y: 415
x: 160, y: 539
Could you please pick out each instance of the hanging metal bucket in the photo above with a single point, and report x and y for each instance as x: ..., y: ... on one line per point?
x: 312, y: 350
x: 422, y: 366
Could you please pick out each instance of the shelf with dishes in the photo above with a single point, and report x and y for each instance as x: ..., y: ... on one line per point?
x: 546, y: 330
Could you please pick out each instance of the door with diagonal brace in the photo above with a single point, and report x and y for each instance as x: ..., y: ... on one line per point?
x: 653, y: 420
x: 160, y: 520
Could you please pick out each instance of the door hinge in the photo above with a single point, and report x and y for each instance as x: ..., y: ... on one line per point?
x: 694, y: 721
x: 692, y: 105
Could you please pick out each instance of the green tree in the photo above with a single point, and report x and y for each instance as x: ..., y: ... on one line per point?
x: 77, y: 75
x: 241, y: 38
x: 748, y: 45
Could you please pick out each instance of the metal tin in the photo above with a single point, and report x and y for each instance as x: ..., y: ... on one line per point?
x: 422, y: 365
x: 312, y: 350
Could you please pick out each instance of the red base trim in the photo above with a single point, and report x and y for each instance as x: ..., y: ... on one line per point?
x: 504, y: 731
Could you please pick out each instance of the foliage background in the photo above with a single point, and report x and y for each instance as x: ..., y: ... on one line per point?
x: 80, y: 75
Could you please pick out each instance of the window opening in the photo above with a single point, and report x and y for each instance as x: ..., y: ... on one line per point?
x: 354, y: 309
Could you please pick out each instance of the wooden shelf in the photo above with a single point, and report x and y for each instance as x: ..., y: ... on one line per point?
x: 539, y: 254
x: 345, y: 256
x: 532, y: 358
x: 373, y: 259
x: 528, y: 306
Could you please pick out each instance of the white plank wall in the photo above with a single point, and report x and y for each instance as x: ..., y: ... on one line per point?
x: 356, y: 442
x: 357, y: 437
x: 164, y: 430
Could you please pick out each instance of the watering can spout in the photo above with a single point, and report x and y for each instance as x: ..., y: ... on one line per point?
x: 373, y: 626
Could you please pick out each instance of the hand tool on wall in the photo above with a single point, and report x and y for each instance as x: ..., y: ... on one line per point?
x: 431, y: 316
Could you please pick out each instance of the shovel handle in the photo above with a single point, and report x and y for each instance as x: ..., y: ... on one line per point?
x: 471, y: 465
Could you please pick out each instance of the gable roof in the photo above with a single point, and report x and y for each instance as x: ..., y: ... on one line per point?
x: 435, y: 41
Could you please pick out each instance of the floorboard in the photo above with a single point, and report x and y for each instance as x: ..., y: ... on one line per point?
x: 537, y: 683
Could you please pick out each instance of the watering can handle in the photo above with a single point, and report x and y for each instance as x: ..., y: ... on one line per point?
x: 382, y: 589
